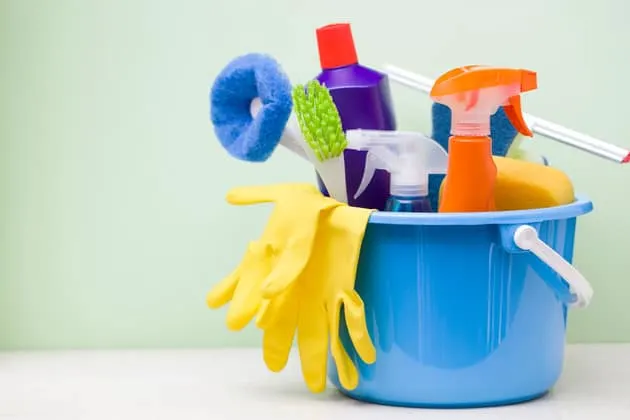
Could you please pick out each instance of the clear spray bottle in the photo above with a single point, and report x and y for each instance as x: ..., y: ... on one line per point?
x: 409, y: 157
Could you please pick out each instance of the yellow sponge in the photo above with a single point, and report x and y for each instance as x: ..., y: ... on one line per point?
x: 523, y: 185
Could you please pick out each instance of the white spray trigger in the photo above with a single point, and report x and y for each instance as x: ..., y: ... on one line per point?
x: 436, y: 160
x: 409, y: 157
x: 378, y: 157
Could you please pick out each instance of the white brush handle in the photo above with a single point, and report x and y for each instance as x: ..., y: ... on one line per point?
x: 333, y: 173
x: 292, y: 137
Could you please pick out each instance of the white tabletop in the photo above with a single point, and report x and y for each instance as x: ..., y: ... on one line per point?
x: 234, y: 384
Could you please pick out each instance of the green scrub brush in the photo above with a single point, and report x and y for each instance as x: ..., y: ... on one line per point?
x: 321, y: 126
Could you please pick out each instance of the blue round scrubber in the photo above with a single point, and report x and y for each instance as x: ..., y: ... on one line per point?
x: 245, y: 78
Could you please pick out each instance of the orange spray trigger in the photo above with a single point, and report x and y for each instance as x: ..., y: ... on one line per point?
x: 514, y: 114
x: 513, y: 107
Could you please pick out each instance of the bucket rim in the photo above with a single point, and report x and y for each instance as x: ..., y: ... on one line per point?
x: 582, y: 205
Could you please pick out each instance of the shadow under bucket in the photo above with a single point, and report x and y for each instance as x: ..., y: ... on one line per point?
x: 462, y: 315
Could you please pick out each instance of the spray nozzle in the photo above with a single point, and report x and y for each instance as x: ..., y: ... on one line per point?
x: 474, y: 93
x: 409, y: 157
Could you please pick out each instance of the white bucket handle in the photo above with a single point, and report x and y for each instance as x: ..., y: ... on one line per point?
x: 526, y: 238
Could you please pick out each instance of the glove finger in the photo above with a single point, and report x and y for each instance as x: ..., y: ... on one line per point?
x: 312, y: 338
x: 223, y: 292
x: 264, y: 193
x: 243, y: 308
x: 293, y: 259
x: 272, y: 310
x: 354, y: 312
x: 278, y: 336
x: 267, y: 313
x: 247, y: 295
x: 290, y: 264
x: 346, y: 370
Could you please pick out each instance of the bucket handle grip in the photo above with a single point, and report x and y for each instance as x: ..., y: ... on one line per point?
x: 526, y: 237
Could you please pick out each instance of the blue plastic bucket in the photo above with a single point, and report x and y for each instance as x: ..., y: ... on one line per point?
x: 460, y: 314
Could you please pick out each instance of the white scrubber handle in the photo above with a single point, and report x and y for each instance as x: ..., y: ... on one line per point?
x: 526, y: 238
x: 292, y: 137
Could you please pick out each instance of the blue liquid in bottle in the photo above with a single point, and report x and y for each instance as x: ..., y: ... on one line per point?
x: 408, y: 204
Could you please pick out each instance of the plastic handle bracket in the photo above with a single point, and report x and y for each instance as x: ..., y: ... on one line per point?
x: 526, y: 238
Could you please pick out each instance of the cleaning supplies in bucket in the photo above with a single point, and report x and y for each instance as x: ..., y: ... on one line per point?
x: 474, y: 94
x: 363, y: 98
x: 409, y: 158
x: 375, y: 297
x: 298, y: 277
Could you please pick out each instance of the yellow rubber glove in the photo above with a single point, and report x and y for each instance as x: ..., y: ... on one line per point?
x: 312, y: 304
x: 279, y: 255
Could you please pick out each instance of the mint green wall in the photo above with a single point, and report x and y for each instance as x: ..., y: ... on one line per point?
x: 113, y: 222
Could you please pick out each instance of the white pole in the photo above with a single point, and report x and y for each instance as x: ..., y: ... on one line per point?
x: 537, y: 125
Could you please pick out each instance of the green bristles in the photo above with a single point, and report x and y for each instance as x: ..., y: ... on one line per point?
x: 319, y: 120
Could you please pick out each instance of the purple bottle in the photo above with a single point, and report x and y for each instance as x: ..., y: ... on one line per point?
x: 363, y: 99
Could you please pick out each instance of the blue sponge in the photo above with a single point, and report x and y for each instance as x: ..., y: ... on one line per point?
x: 243, y: 79
x: 502, y: 132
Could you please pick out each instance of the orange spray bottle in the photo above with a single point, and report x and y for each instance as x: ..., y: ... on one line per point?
x: 474, y: 94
